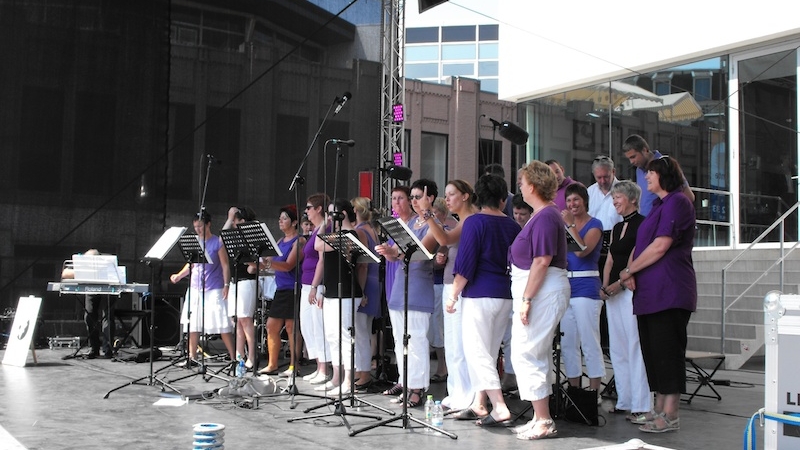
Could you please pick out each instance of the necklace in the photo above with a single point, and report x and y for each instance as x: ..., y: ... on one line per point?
x: 629, y: 216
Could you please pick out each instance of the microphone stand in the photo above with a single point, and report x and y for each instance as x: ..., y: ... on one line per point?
x: 299, y: 180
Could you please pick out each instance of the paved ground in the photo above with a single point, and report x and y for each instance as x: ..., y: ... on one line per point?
x: 59, y: 404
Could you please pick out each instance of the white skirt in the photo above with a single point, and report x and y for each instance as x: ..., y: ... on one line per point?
x: 208, y: 313
x: 242, y: 299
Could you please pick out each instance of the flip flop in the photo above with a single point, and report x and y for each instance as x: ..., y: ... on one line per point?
x: 467, y: 414
x: 490, y: 421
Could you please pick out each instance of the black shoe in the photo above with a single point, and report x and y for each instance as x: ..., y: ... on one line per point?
x: 90, y: 355
x: 189, y: 363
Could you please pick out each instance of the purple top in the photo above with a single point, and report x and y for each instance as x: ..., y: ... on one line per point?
x: 543, y: 235
x: 284, y: 280
x: 373, y: 284
x: 310, y: 258
x: 646, y: 200
x: 588, y: 287
x: 670, y: 282
x: 212, y: 273
x: 561, y: 199
x: 483, y: 256
x: 420, y: 280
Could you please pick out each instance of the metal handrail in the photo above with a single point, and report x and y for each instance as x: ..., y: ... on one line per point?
x: 778, y: 222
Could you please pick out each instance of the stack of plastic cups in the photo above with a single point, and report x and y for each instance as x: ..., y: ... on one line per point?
x: 209, y: 436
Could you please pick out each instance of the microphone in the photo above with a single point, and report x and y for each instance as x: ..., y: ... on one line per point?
x: 348, y: 142
x: 341, y: 101
x: 214, y: 160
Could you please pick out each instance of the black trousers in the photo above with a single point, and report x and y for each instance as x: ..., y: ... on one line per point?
x: 99, y: 318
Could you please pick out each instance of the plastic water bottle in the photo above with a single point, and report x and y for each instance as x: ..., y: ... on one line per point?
x: 241, y: 370
x: 429, y: 409
x: 437, y: 415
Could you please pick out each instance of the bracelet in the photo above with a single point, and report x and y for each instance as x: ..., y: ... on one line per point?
x: 427, y: 214
x: 314, y: 287
x: 452, y: 299
x: 602, y: 288
x: 227, y: 284
x: 622, y: 286
x: 526, y: 299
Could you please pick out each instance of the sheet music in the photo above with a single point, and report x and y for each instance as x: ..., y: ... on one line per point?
x: 365, y: 255
x: 572, y: 244
x: 165, y: 243
x: 404, y: 237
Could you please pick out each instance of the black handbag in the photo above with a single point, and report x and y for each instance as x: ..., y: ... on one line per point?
x: 581, y: 406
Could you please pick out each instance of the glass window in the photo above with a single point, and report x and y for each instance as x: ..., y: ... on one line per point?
x: 489, y: 85
x: 458, y: 51
x: 422, y: 53
x: 702, y: 85
x: 455, y: 70
x: 488, y: 32
x: 458, y: 34
x: 421, y: 35
x: 488, y: 51
x: 488, y: 68
x: 427, y: 70
x: 433, y: 158
x: 767, y: 144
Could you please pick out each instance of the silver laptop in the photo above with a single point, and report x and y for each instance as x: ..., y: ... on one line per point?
x: 97, y: 269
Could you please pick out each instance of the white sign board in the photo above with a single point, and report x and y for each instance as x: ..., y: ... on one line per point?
x: 19, y: 339
x: 782, y: 389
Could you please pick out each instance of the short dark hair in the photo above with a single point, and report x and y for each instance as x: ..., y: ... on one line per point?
x: 203, y: 216
x: 519, y: 203
x: 491, y: 190
x: 245, y: 213
x: 343, y: 205
x: 494, y: 169
x: 670, y: 175
x: 580, y: 189
x: 423, y: 183
x: 635, y: 142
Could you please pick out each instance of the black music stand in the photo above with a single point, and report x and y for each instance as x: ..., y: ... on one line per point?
x: 157, y: 253
x: 413, y: 250
x: 353, y: 251
x: 238, y: 251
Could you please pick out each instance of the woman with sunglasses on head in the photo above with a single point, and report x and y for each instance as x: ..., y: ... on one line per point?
x: 661, y: 275
x: 311, y: 292
x: 420, y: 301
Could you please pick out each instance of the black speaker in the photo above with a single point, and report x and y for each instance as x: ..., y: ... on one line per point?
x: 167, y: 329
x: 425, y: 5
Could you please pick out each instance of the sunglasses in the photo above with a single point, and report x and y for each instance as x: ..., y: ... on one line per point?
x: 414, y: 197
x: 602, y: 158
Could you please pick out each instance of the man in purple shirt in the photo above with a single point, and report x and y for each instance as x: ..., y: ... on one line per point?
x: 639, y: 154
x: 563, y: 182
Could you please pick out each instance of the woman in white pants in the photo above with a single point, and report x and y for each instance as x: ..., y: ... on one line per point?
x: 630, y: 378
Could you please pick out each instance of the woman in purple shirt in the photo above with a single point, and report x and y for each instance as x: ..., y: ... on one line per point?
x: 206, y: 306
x: 662, y: 278
x: 420, y: 303
x: 541, y: 291
x: 481, y: 278
x: 310, y: 310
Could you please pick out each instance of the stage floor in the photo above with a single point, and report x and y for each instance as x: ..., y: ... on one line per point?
x: 59, y: 404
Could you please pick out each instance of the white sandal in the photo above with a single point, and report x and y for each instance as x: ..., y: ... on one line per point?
x: 530, y: 434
